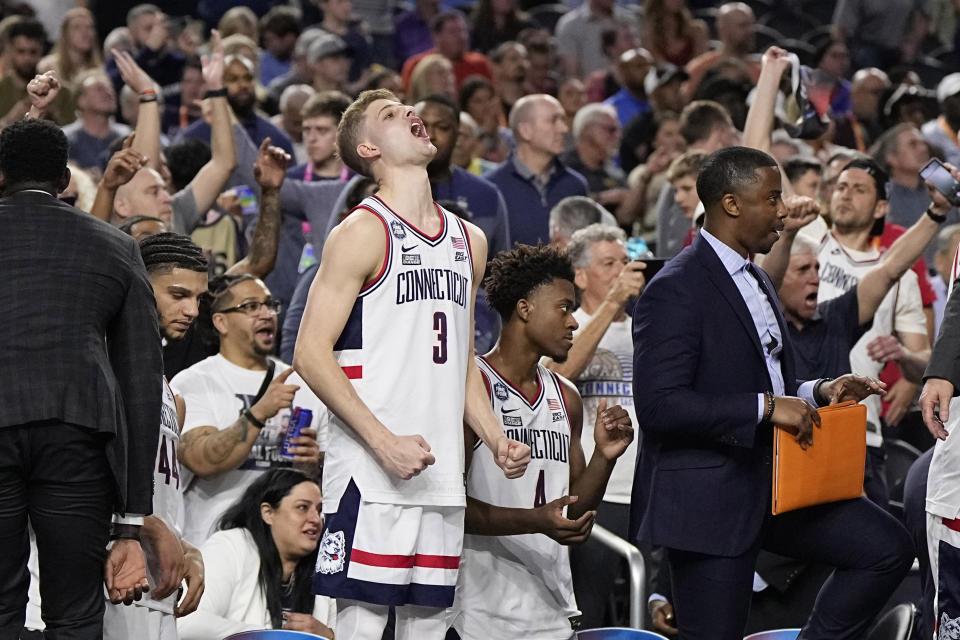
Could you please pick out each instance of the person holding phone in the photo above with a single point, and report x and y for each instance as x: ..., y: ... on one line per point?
x: 903, y: 153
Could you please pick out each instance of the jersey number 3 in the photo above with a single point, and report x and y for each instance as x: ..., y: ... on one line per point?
x: 440, y: 326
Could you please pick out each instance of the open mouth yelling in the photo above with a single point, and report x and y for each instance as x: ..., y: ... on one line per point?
x: 266, y: 333
x: 418, y: 130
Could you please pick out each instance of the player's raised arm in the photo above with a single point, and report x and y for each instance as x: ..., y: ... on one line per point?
x: 511, y: 456
x: 342, y: 274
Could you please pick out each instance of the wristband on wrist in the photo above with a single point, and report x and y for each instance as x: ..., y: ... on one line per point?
x: 252, y: 419
x: 771, y: 405
x: 124, y: 532
x: 215, y: 93
x: 818, y: 394
x: 936, y: 217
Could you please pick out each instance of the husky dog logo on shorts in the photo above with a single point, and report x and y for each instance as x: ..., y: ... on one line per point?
x: 500, y: 390
x: 397, y: 230
x: 949, y: 629
x: 331, y: 556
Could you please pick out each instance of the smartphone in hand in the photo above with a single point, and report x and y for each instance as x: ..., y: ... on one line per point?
x: 653, y: 265
x: 941, y: 178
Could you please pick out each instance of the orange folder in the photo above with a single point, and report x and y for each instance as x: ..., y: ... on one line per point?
x: 829, y: 470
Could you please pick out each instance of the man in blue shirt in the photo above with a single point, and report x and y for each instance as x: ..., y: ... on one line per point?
x: 533, y: 180
x: 478, y: 197
x: 632, y: 99
x: 238, y: 81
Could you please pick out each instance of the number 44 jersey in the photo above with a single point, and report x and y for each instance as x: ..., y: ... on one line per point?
x: 519, y: 586
x: 405, y: 349
x: 167, y: 488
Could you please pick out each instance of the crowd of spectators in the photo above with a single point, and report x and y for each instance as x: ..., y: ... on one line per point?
x: 582, y: 124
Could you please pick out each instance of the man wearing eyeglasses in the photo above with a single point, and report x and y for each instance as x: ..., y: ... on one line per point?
x: 239, y: 403
x: 596, y: 136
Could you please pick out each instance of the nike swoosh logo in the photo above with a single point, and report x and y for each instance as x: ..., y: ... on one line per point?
x: 502, y: 410
x: 405, y: 249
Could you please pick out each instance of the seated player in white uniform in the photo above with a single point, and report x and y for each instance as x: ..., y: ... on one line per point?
x: 386, y: 342
x: 178, y: 273
x: 515, y: 580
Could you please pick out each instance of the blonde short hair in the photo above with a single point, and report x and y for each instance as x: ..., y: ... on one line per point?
x: 350, y: 130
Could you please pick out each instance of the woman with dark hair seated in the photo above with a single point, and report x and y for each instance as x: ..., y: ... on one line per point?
x: 259, y: 565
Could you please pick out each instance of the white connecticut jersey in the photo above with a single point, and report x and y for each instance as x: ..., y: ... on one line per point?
x: 167, y: 486
x: 519, y: 586
x: 405, y: 349
x: 901, y: 310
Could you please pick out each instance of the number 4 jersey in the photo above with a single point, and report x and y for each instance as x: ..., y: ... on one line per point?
x: 405, y: 349
x: 519, y: 586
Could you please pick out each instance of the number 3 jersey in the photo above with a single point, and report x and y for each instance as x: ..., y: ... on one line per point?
x: 519, y: 586
x: 405, y: 349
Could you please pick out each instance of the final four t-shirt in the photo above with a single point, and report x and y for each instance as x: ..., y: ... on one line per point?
x: 215, y: 391
x: 609, y: 374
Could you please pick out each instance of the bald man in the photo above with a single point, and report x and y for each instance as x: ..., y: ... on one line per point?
x: 633, y: 65
x: 735, y: 30
x: 144, y: 195
x: 533, y: 179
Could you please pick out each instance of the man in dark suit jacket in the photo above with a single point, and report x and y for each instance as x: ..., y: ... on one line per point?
x: 713, y: 371
x: 80, y: 382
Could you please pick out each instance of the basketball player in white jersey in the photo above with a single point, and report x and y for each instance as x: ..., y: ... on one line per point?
x: 178, y: 273
x: 386, y: 342
x: 519, y: 586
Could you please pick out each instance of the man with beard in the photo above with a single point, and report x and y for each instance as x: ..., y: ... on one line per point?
x: 239, y: 87
x: 239, y: 402
x: 23, y: 48
x: 899, y: 331
x: 479, y: 197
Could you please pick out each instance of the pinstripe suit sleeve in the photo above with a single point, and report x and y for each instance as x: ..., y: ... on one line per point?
x: 133, y: 341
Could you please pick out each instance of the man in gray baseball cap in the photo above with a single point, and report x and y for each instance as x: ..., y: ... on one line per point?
x: 328, y: 59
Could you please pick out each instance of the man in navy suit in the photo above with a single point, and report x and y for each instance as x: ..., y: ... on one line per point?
x: 713, y: 372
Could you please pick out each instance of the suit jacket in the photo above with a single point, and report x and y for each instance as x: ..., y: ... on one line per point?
x: 81, y: 343
x: 945, y: 358
x: 702, y: 481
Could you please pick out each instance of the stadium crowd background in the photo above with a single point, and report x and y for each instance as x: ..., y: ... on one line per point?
x: 548, y: 118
